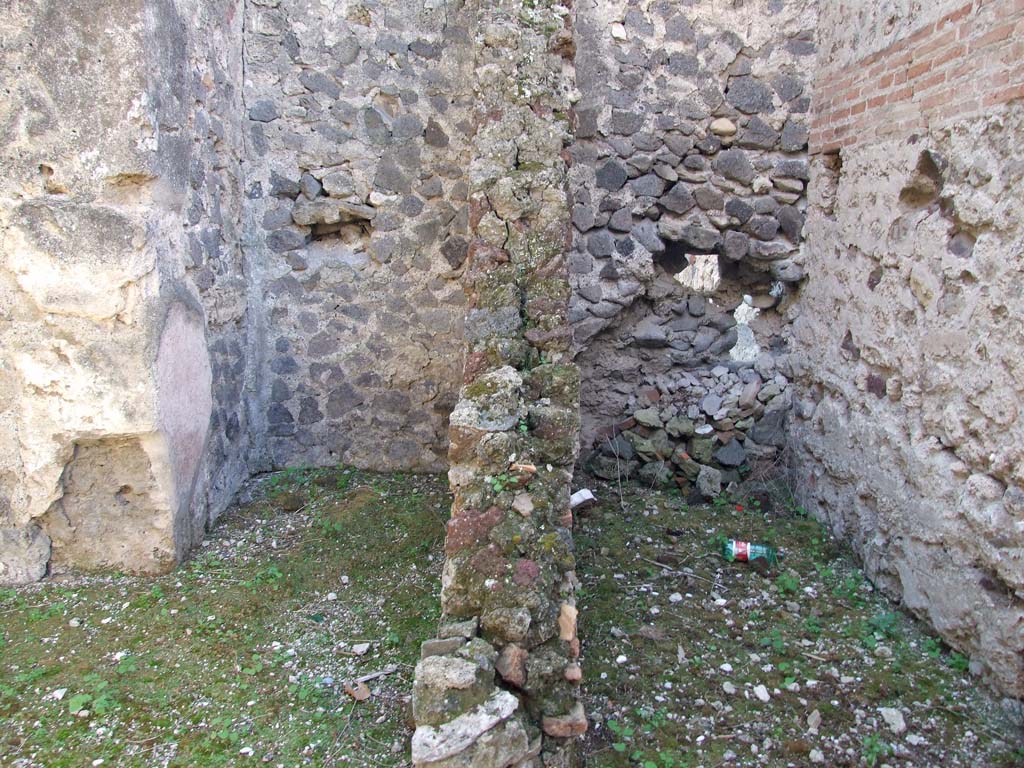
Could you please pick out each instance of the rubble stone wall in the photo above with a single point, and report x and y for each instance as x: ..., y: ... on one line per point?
x: 908, y: 432
x: 121, y: 282
x: 499, y: 685
x: 690, y: 154
x: 357, y: 222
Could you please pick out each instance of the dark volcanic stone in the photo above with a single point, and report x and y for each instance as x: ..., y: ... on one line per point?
x: 263, y: 111
x: 739, y: 209
x: 734, y: 164
x: 650, y: 185
x: 646, y: 233
x: 794, y: 136
x: 583, y: 217
x: 709, y: 198
x: 787, y: 86
x: 626, y: 122
x: 757, y: 134
x: 791, y: 221
x: 737, y: 245
x: 678, y: 199
x: 792, y: 169
x: 750, y: 95
x: 600, y: 244
x: 621, y: 220
x: 611, y: 176
x: 762, y: 227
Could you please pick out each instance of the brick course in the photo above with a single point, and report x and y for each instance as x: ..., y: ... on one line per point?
x: 966, y: 62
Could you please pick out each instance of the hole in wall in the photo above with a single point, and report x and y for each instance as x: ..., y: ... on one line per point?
x: 674, y: 259
x: 702, y: 275
x: 926, y: 182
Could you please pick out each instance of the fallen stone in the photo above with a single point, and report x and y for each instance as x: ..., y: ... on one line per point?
x: 583, y: 498
x: 649, y: 417
x: 711, y: 403
x: 565, y: 726
x: 709, y: 482
x: 680, y: 426
x: 894, y: 719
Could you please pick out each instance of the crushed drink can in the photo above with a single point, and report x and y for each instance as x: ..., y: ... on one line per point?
x: 745, y: 551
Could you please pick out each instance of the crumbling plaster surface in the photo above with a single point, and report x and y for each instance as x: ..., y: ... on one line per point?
x: 357, y: 217
x: 115, y: 194
x: 909, y: 439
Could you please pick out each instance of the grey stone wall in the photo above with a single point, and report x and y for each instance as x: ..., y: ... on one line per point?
x: 908, y: 436
x: 691, y: 134
x: 356, y: 225
x: 120, y: 282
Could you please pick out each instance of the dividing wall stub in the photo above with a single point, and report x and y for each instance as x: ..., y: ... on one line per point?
x: 498, y: 687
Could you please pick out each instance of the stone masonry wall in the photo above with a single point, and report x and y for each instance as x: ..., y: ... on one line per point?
x: 123, y: 427
x: 690, y: 154
x: 357, y: 223
x: 909, y: 439
x: 499, y: 685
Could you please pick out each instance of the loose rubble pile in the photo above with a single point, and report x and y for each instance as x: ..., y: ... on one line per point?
x: 710, y: 429
x: 499, y: 684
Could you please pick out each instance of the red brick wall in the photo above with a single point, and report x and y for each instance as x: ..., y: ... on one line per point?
x: 960, y: 65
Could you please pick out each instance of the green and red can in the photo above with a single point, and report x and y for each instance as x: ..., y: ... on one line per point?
x: 745, y: 551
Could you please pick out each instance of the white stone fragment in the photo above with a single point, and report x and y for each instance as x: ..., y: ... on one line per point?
x: 894, y: 719
x: 432, y: 744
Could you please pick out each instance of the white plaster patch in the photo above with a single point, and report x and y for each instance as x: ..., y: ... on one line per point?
x: 746, y: 349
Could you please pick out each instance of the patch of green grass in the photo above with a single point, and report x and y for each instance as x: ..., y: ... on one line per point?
x: 224, y: 654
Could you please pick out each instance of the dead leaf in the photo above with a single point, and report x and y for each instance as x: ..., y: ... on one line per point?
x: 359, y: 691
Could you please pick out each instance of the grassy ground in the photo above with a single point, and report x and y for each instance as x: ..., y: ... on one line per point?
x: 240, y: 657
x: 677, y: 640
x: 249, y: 654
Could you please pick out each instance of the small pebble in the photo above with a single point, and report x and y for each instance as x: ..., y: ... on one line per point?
x: 762, y: 693
x: 621, y: 659
x: 675, y: 597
